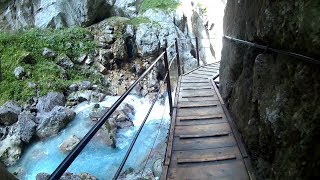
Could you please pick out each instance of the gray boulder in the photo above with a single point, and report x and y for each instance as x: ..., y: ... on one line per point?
x: 79, y: 96
x: 85, y: 85
x: 48, y: 53
x: 42, y: 176
x: 87, y: 176
x: 89, y: 61
x: 65, y: 62
x: 82, y: 59
x: 119, y: 49
x: 69, y: 144
x: 157, y: 168
x: 25, y: 127
x: 126, y: 8
x: 48, y: 102
x: 52, y: 122
x: 9, y: 113
x: 147, y: 39
x: 10, y: 150
x: 19, y: 72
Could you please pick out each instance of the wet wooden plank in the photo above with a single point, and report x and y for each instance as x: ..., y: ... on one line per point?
x: 203, y: 80
x: 200, y: 76
x: 195, y: 88
x: 210, y: 116
x: 200, y: 122
x: 230, y: 170
x: 211, y: 67
x: 199, y: 111
x: 192, y: 99
x: 203, y: 73
x: 209, y: 129
x: 203, y: 143
x: 195, y: 84
x: 197, y: 92
x: 203, y: 153
x: 212, y: 71
x: 206, y: 159
x: 197, y: 104
x: 217, y: 134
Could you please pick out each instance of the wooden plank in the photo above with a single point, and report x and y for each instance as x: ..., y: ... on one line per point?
x: 199, y: 83
x: 202, y: 73
x: 212, y: 71
x: 197, y: 91
x: 202, y: 81
x: 207, y: 159
x: 204, y: 76
x: 209, y: 67
x: 171, y: 138
x: 198, y: 103
x: 208, y: 129
x: 203, y: 143
x: 215, y: 116
x: 228, y: 170
x: 200, y: 122
x: 196, y: 95
x: 192, y: 99
x: 203, y: 153
x: 218, y: 134
x: 195, y: 84
x: 195, y: 88
x: 199, y: 111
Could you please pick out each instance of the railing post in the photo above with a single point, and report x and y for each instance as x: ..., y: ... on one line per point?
x: 166, y: 64
x: 178, y: 57
x: 197, y: 49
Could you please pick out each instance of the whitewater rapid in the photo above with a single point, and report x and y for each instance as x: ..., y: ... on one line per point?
x: 98, y: 158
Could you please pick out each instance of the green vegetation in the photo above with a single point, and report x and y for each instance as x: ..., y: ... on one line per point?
x: 139, y: 20
x: 44, y: 72
x: 156, y: 4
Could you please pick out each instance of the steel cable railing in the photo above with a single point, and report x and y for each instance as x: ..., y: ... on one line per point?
x: 266, y: 48
x: 64, y: 165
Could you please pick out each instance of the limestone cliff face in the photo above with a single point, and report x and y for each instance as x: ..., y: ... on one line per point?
x: 20, y: 14
x: 275, y: 99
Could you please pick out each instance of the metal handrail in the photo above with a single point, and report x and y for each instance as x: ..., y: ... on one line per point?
x: 266, y: 48
x: 64, y: 165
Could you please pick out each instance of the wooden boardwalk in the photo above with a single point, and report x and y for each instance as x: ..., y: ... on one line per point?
x: 203, y: 142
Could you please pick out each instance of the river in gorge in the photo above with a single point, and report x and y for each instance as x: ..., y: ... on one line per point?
x: 97, y: 158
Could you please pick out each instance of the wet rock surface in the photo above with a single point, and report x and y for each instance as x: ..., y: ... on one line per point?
x: 274, y: 98
x: 52, y: 122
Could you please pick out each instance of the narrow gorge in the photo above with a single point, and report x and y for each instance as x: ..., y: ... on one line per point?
x: 64, y: 63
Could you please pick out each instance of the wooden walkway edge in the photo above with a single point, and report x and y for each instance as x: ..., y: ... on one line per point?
x: 203, y: 141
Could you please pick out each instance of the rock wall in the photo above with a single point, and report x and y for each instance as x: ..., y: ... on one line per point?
x: 275, y: 99
x: 15, y: 15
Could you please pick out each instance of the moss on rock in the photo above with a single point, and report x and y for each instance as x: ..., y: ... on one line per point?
x: 44, y: 72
